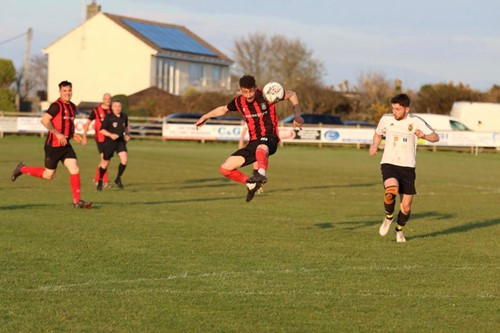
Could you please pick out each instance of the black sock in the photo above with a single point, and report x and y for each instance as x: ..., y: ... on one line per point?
x: 101, y: 173
x: 121, y: 169
x: 402, y: 219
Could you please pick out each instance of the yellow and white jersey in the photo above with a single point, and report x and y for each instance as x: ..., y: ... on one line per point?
x: 400, y: 139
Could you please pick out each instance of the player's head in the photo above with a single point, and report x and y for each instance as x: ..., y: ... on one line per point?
x: 400, y: 106
x: 248, y: 86
x: 116, y: 107
x: 106, y: 99
x: 65, y: 91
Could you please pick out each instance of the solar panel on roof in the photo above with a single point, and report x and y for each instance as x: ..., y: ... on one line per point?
x: 169, y: 38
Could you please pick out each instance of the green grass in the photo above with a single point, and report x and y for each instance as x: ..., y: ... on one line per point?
x: 179, y: 250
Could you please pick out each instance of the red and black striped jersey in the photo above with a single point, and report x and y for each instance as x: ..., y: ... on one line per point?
x: 259, y: 115
x: 97, y: 115
x: 63, y: 120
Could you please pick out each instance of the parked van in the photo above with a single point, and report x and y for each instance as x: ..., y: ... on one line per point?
x: 441, y: 122
x: 478, y: 116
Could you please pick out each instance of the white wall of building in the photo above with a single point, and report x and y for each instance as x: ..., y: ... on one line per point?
x: 99, y: 56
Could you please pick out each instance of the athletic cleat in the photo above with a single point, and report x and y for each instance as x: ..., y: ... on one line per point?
x: 83, y: 204
x: 108, y: 185
x: 99, y: 185
x: 257, y: 178
x: 118, y: 182
x: 384, y: 228
x: 17, y: 171
x: 251, y: 192
x: 400, y: 237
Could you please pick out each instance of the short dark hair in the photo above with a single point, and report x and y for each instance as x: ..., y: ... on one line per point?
x: 247, y: 81
x: 65, y: 84
x: 401, y: 99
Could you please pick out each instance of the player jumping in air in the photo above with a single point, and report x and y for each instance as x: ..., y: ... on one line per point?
x: 262, y: 123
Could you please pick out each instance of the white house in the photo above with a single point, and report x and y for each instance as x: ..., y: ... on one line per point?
x: 123, y: 55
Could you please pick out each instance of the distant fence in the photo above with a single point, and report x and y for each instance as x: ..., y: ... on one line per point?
x: 159, y: 128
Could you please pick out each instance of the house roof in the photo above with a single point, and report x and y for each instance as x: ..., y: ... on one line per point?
x: 168, y: 37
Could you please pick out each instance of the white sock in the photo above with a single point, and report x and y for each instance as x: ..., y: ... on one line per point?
x: 262, y: 171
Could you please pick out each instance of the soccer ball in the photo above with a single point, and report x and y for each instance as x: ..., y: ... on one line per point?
x: 273, y: 92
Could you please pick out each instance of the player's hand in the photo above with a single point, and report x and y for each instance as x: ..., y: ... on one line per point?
x: 114, y: 136
x: 126, y: 137
x: 419, y: 134
x: 200, y: 122
x: 298, y: 122
x: 84, y: 140
x: 62, y: 139
x: 373, y: 150
x: 78, y: 138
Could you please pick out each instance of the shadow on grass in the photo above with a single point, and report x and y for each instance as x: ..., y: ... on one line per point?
x: 350, y: 225
x: 345, y: 225
x: 25, y: 206
x: 433, y: 215
x: 460, y: 228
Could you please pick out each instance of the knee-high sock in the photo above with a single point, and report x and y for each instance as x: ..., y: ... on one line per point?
x: 102, y: 172
x: 235, y: 175
x: 74, y: 181
x: 104, y: 178
x: 403, y: 217
x: 261, y: 157
x: 32, y: 171
x: 121, y: 169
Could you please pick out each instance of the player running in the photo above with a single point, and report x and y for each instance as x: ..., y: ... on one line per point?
x: 97, y: 115
x: 115, y: 129
x: 59, y: 120
x: 262, y: 123
x: 402, y: 130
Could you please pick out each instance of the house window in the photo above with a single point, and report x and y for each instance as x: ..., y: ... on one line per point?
x: 217, y: 75
x: 195, y: 74
x: 165, y: 69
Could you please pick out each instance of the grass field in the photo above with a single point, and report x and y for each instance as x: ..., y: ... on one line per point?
x: 179, y: 250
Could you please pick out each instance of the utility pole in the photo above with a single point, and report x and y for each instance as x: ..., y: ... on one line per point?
x: 26, y: 74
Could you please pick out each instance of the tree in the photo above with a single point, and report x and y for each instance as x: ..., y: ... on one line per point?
x: 438, y: 98
x: 374, y: 96
x: 493, y: 95
x: 7, y: 77
x: 276, y: 58
x: 7, y: 73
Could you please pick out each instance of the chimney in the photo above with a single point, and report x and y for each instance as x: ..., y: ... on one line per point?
x: 93, y: 9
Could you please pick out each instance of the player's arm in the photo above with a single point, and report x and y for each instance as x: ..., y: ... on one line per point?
x: 241, y: 143
x: 377, y: 138
x: 85, y: 130
x: 292, y: 97
x: 108, y: 134
x: 46, y: 122
x: 126, y: 131
x: 432, y: 137
x: 217, y: 112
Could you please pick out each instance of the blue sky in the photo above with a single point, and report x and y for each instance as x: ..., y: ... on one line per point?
x: 418, y: 42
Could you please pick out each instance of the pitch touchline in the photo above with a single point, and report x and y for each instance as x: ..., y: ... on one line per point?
x: 186, y: 275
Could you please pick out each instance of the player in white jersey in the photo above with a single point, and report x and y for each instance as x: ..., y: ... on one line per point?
x: 402, y: 130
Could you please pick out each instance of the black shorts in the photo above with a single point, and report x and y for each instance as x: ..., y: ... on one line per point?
x: 110, y: 147
x: 99, y: 147
x: 248, y: 152
x: 55, y: 154
x: 405, y: 176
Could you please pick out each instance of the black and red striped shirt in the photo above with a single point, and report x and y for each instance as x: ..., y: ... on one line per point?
x: 98, y: 114
x: 63, y: 120
x: 259, y: 115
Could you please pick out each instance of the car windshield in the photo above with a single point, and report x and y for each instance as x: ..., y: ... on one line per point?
x: 458, y: 126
